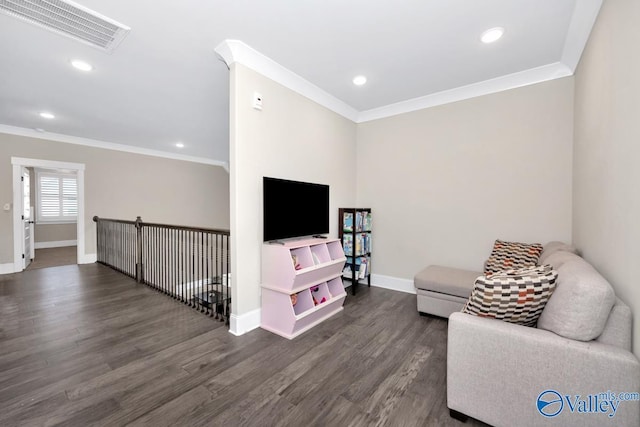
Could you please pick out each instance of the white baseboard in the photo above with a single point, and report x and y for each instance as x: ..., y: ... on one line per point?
x: 88, y: 259
x: 393, y: 283
x: 7, y: 268
x: 56, y: 244
x: 240, y: 325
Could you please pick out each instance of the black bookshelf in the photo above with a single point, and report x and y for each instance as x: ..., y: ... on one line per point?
x: 355, y: 234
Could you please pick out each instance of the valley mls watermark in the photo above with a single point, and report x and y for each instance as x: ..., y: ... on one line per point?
x: 551, y: 403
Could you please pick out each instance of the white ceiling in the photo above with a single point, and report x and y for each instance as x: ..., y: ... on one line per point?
x: 165, y: 83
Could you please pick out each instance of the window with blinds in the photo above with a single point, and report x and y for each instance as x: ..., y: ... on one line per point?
x: 57, y: 197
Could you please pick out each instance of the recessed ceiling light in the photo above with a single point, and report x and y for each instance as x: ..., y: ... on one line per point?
x: 492, y: 35
x: 46, y: 115
x: 359, y: 80
x: 179, y: 145
x: 81, y: 65
x: 38, y: 130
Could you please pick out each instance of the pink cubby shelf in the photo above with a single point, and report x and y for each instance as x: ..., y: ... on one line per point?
x: 278, y: 270
x: 318, y: 263
x: 278, y: 315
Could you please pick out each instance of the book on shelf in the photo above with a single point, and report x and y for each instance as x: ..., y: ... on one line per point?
x: 367, y: 221
x: 347, y: 243
x: 362, y: 270
x: 358, y: 260
x: 347, y: 222
x: 363, y: 244
x: 360, y: 220
x: 361, y: 265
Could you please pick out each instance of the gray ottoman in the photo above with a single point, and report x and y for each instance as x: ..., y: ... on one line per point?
x: 443, y: 290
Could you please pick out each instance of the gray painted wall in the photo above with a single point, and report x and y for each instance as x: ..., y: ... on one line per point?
x: 606, y: 207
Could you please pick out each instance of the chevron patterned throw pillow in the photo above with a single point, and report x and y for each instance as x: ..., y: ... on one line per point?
x: 512, y: 255
x: 515, y: 296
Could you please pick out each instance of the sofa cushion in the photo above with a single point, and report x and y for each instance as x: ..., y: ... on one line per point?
x: 558, y: 258
x: 515, y: 296
x: 512, y: 255
x: 446, y: 280
x: 553, y: 247
x: 581, y: 303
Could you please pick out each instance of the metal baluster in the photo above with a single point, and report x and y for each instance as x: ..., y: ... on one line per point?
x: 194, y: 266
x: 162, y: 260
x: 150, y: 255
x: 219, y: 273
x: 120, y: 246
x: 203, y: 280
x: 208, y: 279
x: 154, y: 260
x: 165, y: 243
x: 172, y: 263
x: 187, y: 263
x: 190, y: 268
x: 147, y: 266
x: 181, y: 262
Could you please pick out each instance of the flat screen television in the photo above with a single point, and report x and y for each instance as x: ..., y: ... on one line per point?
x: 294, y: 209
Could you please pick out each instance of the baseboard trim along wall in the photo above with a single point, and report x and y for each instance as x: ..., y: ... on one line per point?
x: 240, y: 325
x: 55, y: 244
x: 7, y: 268
x: 88, y: 259
x: 393, y: 283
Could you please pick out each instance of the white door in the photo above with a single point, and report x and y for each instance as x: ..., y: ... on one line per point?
x: 27, y: 248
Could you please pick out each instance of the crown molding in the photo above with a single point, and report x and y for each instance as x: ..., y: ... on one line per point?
x: 232, y: 51
x: 31, y: 133
x: 582, y: 21
x: 499, y: 84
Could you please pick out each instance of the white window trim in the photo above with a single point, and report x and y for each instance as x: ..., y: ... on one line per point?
x: 54, y: 220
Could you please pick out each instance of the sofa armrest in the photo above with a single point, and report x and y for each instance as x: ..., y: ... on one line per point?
x: 496, y: 371
x: 617, y: 330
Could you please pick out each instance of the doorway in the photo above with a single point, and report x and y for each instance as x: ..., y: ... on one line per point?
x: 27, y: 217
x: 23, y: 242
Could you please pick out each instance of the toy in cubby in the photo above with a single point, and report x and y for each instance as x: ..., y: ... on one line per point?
x: 303, y: 302
x: 314, y: 290
x: 320, y: 293
x: 296, y: 264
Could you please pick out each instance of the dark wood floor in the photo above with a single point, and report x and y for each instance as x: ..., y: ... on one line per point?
x: 54, y: 257
x: 83, y: 345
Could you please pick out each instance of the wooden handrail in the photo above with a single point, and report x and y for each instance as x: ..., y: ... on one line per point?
x: 170, y: 226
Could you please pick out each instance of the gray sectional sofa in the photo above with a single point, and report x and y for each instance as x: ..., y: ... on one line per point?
x: 567, y: 371
x: 441, y: 290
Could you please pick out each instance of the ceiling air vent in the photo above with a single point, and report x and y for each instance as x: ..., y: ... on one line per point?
x: 69, y: 19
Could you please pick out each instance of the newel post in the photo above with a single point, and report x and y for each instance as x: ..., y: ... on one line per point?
x: 139, y: 272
